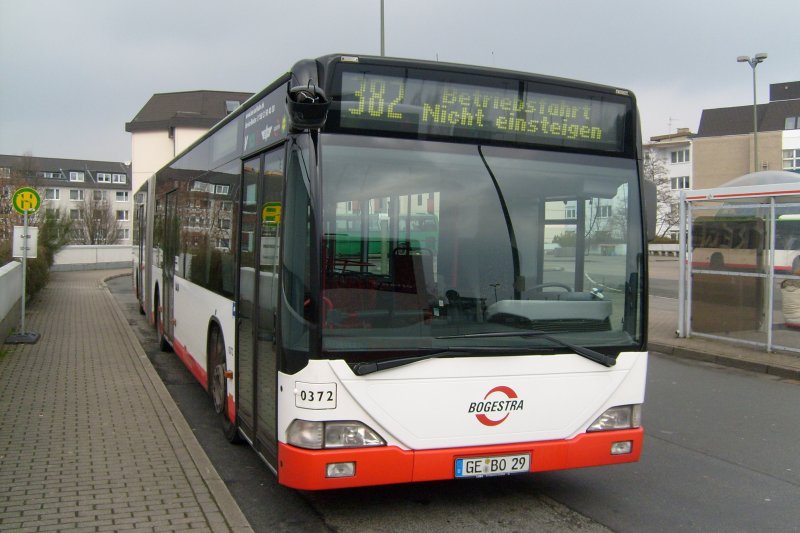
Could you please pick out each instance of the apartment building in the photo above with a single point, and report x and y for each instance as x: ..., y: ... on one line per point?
x: 94, y: 194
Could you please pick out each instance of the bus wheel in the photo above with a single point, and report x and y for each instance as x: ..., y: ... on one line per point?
x: 717, y: 261
x: 218, y: 384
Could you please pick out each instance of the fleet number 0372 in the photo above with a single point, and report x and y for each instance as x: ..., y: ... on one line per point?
x: 315, y: 395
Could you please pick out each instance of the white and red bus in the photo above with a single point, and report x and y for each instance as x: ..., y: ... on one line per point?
x: 441, y: 338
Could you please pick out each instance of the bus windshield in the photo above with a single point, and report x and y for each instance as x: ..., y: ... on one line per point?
x: 428, y: 245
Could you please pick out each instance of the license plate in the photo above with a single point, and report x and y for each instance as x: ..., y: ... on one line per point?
x: 497, y: 465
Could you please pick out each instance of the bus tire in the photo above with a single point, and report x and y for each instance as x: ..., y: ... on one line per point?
x: 218, y: 383
x: 717, y: 261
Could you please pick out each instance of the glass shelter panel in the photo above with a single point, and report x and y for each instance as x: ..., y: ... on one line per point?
x: 786, y: 286
x: 730, y: 265
x: 744, y: 270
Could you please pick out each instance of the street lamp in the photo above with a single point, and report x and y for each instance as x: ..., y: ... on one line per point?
x: 753, y: 62
x: 383, y: 41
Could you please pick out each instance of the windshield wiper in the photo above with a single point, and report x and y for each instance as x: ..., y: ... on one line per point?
x: 588, y: 353
x: 368, y: 367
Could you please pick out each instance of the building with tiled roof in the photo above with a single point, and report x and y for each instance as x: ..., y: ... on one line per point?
x: 170, y: 122
x: 723, y: 147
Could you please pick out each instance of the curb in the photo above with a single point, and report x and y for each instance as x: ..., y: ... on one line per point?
x: 725, y: 360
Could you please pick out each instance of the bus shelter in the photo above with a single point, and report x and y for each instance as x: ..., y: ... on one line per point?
x: 740, y: 261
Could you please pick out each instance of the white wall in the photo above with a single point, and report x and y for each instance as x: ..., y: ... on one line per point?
x: 151, y: 150
x: 97, y: 257
x: 10, y: 297
x: 184, y: 137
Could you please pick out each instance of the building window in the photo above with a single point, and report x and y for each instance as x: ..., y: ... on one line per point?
x: 570, y: 212
x: 230, y: 106
x: 74, y: 214
x: 99, y: 196
x: 50, y: 175
x: 119, y: 178
x: 791, y: 160
x: 103, y: 177
x: 122, y: 214
x: 681, y: 182
x: 123, y: 233
x: 76, y: 194
x: 792, y: 123
x: 52, y: 194
x: 76, y: 176
x: 122, y: 196
x: 681, y: 156
x: 222, y: 189
x: 603, y: 211
x: 5, y: 172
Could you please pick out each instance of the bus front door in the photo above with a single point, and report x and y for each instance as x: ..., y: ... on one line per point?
x: 257, y: 300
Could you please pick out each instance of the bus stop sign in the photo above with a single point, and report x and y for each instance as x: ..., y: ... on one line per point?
x: 26, y: 199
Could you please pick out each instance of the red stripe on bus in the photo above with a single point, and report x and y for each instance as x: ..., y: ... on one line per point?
x: 751, y: 194
x: 194, y: 367
x: 231, y: 412
x: 201, y: 375
x: 727, y: 266
x: 305, y: 469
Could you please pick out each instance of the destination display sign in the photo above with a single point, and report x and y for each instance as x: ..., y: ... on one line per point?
x: 509, y: 111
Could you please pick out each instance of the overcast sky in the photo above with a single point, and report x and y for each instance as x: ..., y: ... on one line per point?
x: 73, y: 72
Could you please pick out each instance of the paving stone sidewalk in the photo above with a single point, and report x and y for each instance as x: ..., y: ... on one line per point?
x: 90, y: 439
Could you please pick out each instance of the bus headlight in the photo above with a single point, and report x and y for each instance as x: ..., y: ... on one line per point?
x: 338, y: 434
x: 306, y: 434
x: 350, y: 435
x: 622, y: 417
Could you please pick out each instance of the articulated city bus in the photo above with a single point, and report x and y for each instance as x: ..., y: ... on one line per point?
x: 435, y: 338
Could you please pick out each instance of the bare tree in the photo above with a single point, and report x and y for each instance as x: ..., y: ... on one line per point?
x: 24, y: 174
x: 97, y: 221
x: 668, y: 214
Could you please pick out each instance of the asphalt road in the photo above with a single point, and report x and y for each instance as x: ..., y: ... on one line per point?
x: 721, y: 454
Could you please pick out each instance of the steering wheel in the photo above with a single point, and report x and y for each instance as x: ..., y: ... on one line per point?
x: 550, y: 284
